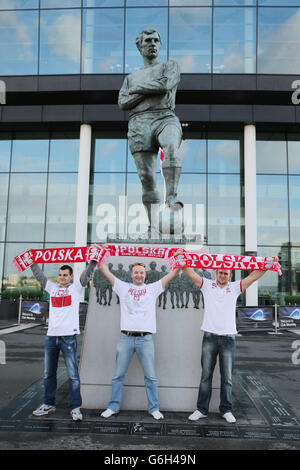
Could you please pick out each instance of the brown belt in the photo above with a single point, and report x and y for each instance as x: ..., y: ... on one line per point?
x: 135, y: 333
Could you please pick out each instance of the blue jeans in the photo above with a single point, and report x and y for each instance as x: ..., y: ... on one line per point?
x: 212, y: 346
x: 68, y: 346
x: 144, y: 347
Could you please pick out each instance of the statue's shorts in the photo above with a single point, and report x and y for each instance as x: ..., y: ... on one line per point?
x: 144, y: 128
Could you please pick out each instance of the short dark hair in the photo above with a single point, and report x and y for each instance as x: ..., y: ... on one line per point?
x: 66, y: 266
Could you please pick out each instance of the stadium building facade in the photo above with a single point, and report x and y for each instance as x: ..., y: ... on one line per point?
x: 67, y: 175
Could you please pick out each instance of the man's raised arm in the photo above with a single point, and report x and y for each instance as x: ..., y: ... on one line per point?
x: 169, y: 277
x: 197, y: 280
x: 106, y: 273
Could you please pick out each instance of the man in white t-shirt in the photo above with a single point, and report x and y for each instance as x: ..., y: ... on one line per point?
x: 219, y: 326
x: 63, y: 326
x: 138, y: 323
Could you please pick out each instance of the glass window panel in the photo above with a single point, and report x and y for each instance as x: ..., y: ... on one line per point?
x: 279, y: 3
x: 3, y: 203
x: 147, y: 3
x: 11, y: 277
x: 234, y: 48
x: 29, y: 155
x: 272, y: 210
x: 60, y: 41
x: 1, y: 263
x: 19, y: 42
x: 61, y: 207
x: 63, y: 154
x: 16, y: 4
x: 294, y: 156
x: 103, y: 3
x: 60, y: 3
x: 192, y: 47
x: 223, y: 156
x: 136, y: 213
x: 193, y: 155
x: 190, y: 3
x: 271, y: 156
x: 5, y: 148
x: 103, y: 40
x: 234, y: 2
x: 26, y: 207
x: 294, y: 187
x: 105, y: 205
x: 138, y: 19
x: 278, y: 40
x: 192, y: 191
x: 225, y: 221
x: 110, y: 155
x: 271, y: 287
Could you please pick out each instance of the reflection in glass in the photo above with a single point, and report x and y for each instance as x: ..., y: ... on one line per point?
x: 278, y: 40
x: 103, y: 3
x: 63, y: 154
x: 192, y: 191
x: 234, y: 2
x: 26, y: 207
x: 190, y: 3
x: 1, y: 263
x: 110, y: 155
x: 61, y: 207
x: 223, y: 156
x: 294, y: 188
x: 293, y: 155
x: 225, y: 221
x: 3, y: 203
x: 234, y: 48
x: 16, y: 4
x: 106, y: 207
x: 5, y: 148
x: 272, y: 210
x: 193, y: 155
x: 19, y: 42
x: 192, y: 47
x: 29, y: 155
x: 147, y: 3
x: 60, y: 41
x: 136, y: 20
x: 11, y: 277
x: 60, y: 3
x: 103, y: 37
x: 271, y: 157
x: 271, y: 287
x: 279, y: 3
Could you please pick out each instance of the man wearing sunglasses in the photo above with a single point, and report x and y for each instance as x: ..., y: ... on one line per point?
x: 138, y: 324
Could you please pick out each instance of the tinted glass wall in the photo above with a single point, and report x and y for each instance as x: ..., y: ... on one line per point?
x: 38, y: 174
x: 278, y: 206
x: 98, y: 36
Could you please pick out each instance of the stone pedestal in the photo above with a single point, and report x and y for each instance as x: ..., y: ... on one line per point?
x: 177, y: 346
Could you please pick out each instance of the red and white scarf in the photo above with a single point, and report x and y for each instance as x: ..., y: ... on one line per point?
x: 183, y: 259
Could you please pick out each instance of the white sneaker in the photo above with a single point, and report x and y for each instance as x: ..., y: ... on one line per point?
x: 229, y: 417
x: 108, y: 413
x: 44, y: 410
x: 76, y: 414
x: 197, y: 415
x: 157, y: 414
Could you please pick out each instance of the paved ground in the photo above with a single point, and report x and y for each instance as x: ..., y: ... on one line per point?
x: 266, y: 404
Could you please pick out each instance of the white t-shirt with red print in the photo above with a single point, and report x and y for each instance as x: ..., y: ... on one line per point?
x: 220, y: 306
x: 138, y: 305
x: 64, y: 308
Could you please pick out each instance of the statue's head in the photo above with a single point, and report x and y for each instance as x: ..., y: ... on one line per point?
x: 148, y: 41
